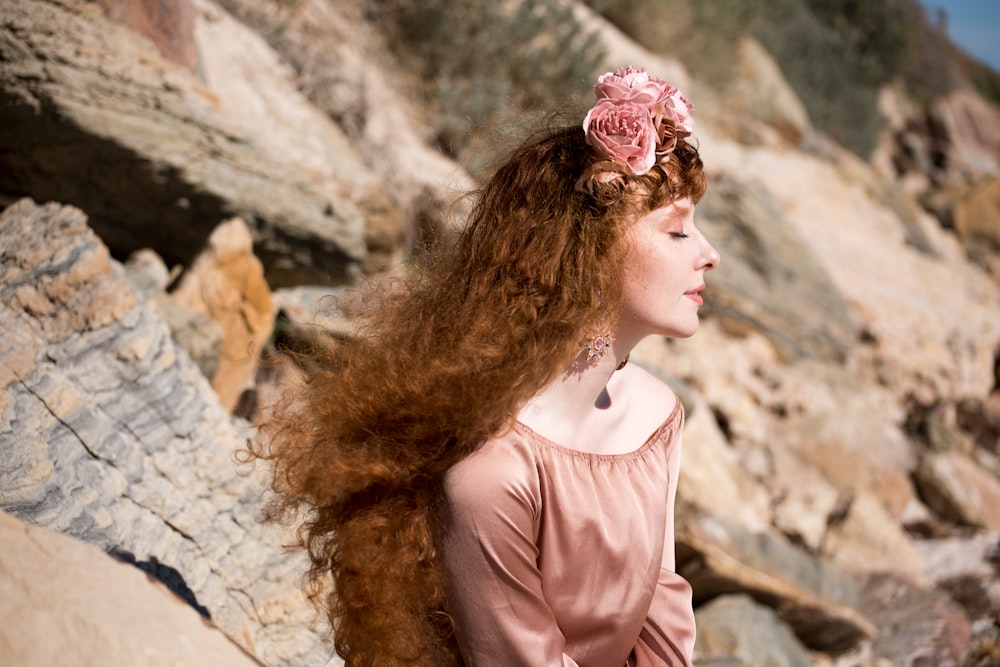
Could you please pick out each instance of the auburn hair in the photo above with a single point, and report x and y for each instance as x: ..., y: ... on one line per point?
x: 440, y: 363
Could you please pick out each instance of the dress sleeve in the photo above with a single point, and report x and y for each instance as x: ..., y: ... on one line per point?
x: 489, y: 551
x: 667, y: 636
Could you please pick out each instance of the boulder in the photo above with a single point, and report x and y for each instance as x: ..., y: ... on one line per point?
x: 971, y: 125
x: 111, y: 435
x: 960, y: 490
x: 977, y: 221
x: 261, y: 92
x: 92, y: 115
x: 813, y: 596
x: 226, y: 283
x: 342, y: 62
x: 734, y: 626
x: 67, y: 603
x: 866, y: 538
x: 846, y: 428
x: 197, y: 333
x: 764, y: 257
x: 918, y: 626
x: 758, y: 94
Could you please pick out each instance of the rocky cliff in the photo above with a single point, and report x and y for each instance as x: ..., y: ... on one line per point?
x: 184, y: 181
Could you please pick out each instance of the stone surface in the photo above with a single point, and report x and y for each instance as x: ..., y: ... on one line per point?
x: 341, y: 64
x: 226, y: 283
x: 972, y: 127
x: 848, y: 293
x: 813, y: 596
x: 66, y: 603
x: 168, y: 23
x: 262, y: 93
x: 867, y: 538
x: 920, y: 627
x: 959, y: 490
x: 759, y: 92
x: 93, y: 118
x: 197, y: 333
x: 977, y: 220
x: 764, y: 255
x: 734, y: 626
x: 111, y: 435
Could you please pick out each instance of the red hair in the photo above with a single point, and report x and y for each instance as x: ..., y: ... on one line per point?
x: 440, y: 364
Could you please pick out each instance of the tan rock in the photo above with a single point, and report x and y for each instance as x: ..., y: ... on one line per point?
x: 869, y: 539
x: 713, y: 479
x: 759, y: 91
x: 849, y: 430
x: 262, y: 92
x: 169, y: 23
x: 172, y: 164
x: 339, y: 59
x: 805, y: 500
x: 67, y: 603
x: 814, y: 596
x: 977, y: 220
x: 960, y: 490
x: 972, y: 125
x: 226, y: 282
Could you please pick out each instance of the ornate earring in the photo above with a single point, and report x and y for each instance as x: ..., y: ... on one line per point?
x: 597, y: 346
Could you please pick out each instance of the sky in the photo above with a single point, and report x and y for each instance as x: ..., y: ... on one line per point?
x: 974, y: 25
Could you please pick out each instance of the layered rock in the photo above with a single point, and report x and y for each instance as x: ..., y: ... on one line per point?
x: 345, y: 69
x: 111, y: 435
x: 92, y: 117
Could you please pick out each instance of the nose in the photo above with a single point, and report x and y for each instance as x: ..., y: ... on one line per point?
x: 709, y: 258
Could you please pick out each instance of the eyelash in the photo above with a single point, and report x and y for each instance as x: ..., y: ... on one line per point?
x: 677, y: 235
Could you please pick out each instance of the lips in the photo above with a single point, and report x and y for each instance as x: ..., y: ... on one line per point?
x: 695, y: 294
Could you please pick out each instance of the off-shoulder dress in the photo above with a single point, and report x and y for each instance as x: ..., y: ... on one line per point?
x: 559, y: 558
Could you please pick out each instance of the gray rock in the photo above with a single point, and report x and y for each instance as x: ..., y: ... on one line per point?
x: 92, y: 116
x: 917, y: 626
x: 770, y: 283
x: 111, y: 434
x: 734, y: 626
x: 197, y: 333
x: 812, y: 595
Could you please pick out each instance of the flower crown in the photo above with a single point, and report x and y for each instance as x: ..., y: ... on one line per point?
x: 637, y: 121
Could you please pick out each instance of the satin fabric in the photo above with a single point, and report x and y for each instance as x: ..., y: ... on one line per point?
x: 559, y: 558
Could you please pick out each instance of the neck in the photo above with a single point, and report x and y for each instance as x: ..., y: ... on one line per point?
x: 586, y: 386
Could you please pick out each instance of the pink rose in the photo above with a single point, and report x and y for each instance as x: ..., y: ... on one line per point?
x: 632, y: 84
x: 681, y: 111
x: 624, y: 132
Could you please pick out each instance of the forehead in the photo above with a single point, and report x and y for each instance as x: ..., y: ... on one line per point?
x: 677, y: 210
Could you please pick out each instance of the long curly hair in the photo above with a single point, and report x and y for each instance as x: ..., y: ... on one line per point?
x: 440, y: 363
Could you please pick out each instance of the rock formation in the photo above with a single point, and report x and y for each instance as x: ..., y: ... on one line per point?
x: 167, y: 221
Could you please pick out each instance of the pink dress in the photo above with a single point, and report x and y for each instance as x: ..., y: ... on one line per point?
x: 559, y: 558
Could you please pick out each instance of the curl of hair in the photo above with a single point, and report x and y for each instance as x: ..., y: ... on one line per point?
x: 441, y: 363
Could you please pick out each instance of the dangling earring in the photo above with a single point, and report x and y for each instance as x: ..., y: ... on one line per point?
x: 597, y: 346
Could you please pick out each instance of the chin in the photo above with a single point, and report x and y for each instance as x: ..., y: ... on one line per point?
x: 684, y: 332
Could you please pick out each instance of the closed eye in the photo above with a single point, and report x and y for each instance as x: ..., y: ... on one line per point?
x: 678, y: 235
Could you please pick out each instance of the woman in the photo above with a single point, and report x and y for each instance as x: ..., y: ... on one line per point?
x: 487, y: 479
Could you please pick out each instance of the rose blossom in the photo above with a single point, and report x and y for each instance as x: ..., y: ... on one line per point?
x: 632, y: 84
x: 623, y: 131
x: 681, y: 109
